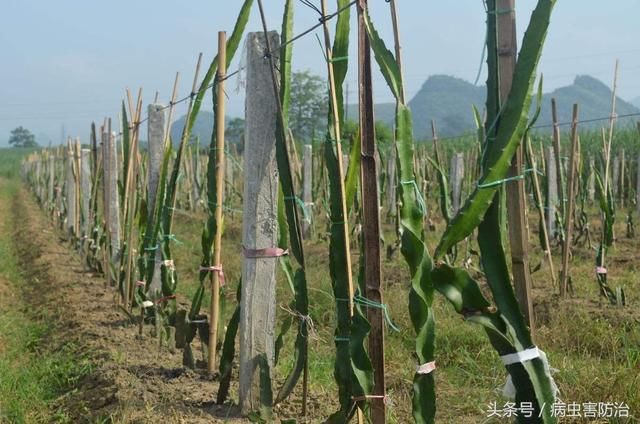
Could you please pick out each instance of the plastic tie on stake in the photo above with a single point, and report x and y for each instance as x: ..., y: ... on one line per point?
x: 217, y: 269
x: 426, y: 368
x: 268, y: 252
x: 140, y: 283
x: 601, y: 270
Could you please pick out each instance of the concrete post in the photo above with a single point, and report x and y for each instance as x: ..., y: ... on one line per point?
x: 155, y: 130
x: 552, y: 190
x: 307, y: 177
x: 591, y: 182
x: 259, y: 223
x: 51, y: 182
x: 71, y: 191
x: 85, y: 187
x: 112, y: 200
x: 456, y: 175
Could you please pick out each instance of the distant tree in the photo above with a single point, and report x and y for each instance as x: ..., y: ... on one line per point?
x: 384, y: 134
x: 308, y: 109
x: 22, y: 137
x: 234, y: 133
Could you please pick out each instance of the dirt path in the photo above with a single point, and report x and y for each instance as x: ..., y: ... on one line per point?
x: 132, y: 379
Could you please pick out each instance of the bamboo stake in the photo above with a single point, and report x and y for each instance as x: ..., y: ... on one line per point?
x: 341, y: 171
x: 545, y: 233
x: 607, y: 148
x: 220, y: 164
x: 130, y: 199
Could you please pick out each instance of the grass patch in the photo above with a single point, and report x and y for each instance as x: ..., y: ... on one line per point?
x: 35, y: 369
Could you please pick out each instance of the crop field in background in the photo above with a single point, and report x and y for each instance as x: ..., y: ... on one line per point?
x: 342, y: 272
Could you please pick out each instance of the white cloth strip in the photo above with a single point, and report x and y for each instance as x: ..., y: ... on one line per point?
x: 426, y: 368
x: 520, y: 357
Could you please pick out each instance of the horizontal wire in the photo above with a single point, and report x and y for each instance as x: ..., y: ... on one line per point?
x: 267, y: 53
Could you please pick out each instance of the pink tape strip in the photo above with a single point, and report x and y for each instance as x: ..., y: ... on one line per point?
x: 217, y: 269
x: 269, y: 252
x: 140, y: 283
x: 601, y: 270
x: 426, y: 368
x: 164, y: 299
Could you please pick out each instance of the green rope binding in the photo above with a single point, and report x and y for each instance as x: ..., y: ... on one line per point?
x: 508, y: 179
x: 419, y: 198
x: 303, y: 206
x: 368, y: 303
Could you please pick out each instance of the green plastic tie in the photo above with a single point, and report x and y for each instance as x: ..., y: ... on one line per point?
x: 226, y: 208
x: 506, y: 180
x: 302, y: 205
x: 229, y: 156
x: 361, y: 300
x: 171, y: 237
x: 342, y: 339
x: 152, y: 248
x: 423, y: 207
x: 338, y: 223
x: 339, y: 59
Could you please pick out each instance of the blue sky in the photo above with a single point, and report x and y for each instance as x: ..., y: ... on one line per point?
x: 68, y: 62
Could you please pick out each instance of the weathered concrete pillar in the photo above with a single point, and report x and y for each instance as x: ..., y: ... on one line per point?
x: 591, y: 182
x: 38, y: 180
x: 307, y: 178
x: 259, y: 223
x: 456, y: 176
x: 615, y: 177
x: 552, y: 190
x: 70, y: 191
x: 51, y: 182
x: 112, y: 200
x: 622, y: 178
x: 85, y: 188
x: 155, y: 131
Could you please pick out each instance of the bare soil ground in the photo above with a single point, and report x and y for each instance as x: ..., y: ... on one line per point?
x: 132, y: 380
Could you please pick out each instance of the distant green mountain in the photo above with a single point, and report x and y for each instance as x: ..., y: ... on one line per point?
x: 448, y: 101
x: 593, y: 98
x: 202, y: 128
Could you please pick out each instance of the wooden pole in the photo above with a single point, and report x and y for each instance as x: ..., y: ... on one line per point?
x: 566, y: 246
x: 220, y: 165
x: 516, y: 197
x: 130, y: 202
x: 371, y: 219
x: 342, y: 167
